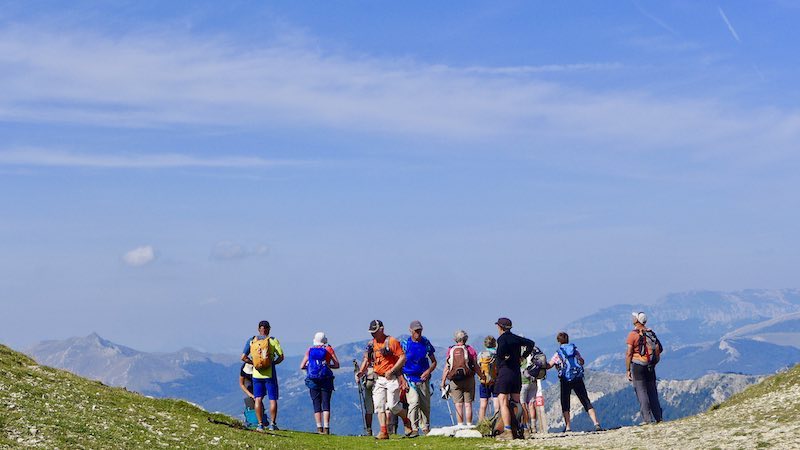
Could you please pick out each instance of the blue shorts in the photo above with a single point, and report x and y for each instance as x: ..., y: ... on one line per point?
x: 266, y: 387
x: 486, y: 391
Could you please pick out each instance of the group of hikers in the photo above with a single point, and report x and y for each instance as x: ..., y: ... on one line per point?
x: 394, y: 379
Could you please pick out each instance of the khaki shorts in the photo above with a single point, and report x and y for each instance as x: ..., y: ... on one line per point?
x: 385, y: 394
x: 463, y: 391
x: 528, y: 392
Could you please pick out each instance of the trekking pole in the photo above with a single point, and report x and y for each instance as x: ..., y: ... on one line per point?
x: 361, y: 397
x: 446, y: 397
x: 541, y: 417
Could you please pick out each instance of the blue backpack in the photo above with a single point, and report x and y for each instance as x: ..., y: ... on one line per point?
x: 571, y: 369
x: 317, y: 365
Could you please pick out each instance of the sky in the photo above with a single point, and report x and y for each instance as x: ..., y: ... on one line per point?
x: 173, y: 172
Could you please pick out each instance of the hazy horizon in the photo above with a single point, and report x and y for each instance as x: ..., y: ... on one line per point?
x: 171, y: 173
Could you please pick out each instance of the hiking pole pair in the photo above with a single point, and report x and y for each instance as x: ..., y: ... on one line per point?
x: 446, y: 396
x: 361, y: 397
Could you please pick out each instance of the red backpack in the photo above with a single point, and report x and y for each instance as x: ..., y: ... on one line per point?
x: 459, y: 363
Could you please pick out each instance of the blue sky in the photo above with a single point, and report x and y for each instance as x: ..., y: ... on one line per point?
x: 173, y: 172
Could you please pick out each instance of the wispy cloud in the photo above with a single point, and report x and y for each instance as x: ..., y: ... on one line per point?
x: 56, y: 158
x: 655, y: 19
x: 227, y: 251
x: 546, y: 68
x: 166, y: 79
x: 728, y: 23
x: 140, y: 256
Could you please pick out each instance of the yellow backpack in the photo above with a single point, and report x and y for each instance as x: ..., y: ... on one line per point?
x: 261, y: 353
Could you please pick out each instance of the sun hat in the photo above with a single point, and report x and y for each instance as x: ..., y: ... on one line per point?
x: 320, y: 338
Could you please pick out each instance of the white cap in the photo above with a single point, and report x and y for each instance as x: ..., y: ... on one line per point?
x: 640, y: 317
x: 320, y: 338
x: 248, y: 368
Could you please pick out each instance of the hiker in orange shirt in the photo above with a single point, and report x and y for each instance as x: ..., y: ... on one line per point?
x: 387, y: 359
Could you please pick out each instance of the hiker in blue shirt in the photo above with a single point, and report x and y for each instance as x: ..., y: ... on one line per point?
x: 418, y: 371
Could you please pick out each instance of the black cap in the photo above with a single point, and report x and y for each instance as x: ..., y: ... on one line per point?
x: 504, y: 322
x: 264, y: 324
x: 375, y: 325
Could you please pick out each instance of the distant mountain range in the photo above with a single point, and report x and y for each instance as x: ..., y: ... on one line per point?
x: 717, y: 343
x: 750, y: 332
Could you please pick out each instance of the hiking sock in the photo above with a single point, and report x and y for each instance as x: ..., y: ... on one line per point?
x: 319, y: 425
x: 407, y: 422
x: 384, y: 429
x: 325, y: 424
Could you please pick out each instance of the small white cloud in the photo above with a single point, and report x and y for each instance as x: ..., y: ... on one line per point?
x: 227, y: 250
x: 140, y: 256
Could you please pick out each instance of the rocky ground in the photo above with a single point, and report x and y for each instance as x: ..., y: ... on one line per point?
x: 766, y: 417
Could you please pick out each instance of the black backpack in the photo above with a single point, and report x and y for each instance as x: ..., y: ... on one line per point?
x: 650, y: 345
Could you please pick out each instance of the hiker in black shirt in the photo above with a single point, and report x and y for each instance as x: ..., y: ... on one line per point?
x: 509, y: 379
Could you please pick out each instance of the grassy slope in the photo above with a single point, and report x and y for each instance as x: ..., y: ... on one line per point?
x: 45, y: 407
x: 50, y: 408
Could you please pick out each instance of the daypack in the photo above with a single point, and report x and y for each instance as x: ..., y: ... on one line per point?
x: 537, y: 365
x: 650, y: 346
x: 488, y: 362
x: 385, y: 350
x: 250, y: 418
x: 317, y: 367
x: 261, y: 353
x: 571, y: 369
x: 458, y: 361
x: 496, y: 425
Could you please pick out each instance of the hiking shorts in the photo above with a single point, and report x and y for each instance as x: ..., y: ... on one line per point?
x: 265, y: 387
x: 369, y: 406
x: 528, y: 392
x: 463, y: 391
x: 385, y: 394
x: 509, y: 381
x: 486, y: 391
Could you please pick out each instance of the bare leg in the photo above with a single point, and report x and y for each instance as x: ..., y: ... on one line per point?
x: 593, y: 416
x: 505, y: 412
x: 459, y: 412
x: 482, y: 409
x: 566, y: 421
x: 260, y: 410
x: 273, y: 410
x: 468, y: 412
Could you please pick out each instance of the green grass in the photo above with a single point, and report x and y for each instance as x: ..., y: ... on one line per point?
x: 45, y: 407
x: 50, y: 408
x: 775, y: 383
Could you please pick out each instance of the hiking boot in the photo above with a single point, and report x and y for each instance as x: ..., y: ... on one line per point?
x: 326, y: 431
x: 368, y: 432
x: 506, y: 435
x: 260, y: 428
x: 526, y: 433
x: 411, y: 433
x: 597, y: 427
x: 382, y: 435
x: 320, y: 430
x: 273, y: 427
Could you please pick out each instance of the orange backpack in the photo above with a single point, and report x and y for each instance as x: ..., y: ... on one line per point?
x: 261, y: 353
